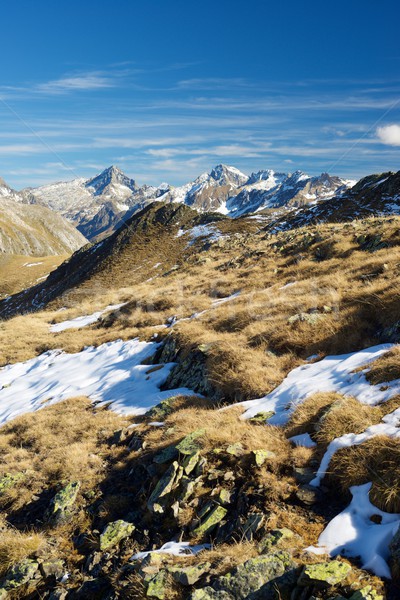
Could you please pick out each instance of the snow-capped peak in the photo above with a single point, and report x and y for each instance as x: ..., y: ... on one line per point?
x: 226, y: 175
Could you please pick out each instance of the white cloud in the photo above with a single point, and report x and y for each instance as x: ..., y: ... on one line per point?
x: 389, y: 135
x: 85, y: 81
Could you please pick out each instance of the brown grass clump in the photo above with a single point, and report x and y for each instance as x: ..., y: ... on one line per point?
x: 375, y: 460
x: 386, y: 368
x: 225, y: 557
x: 307, y: 415
x: 346, y: 415
x: 16, y: 545
x: 288, y: 516
x: 328, y: 415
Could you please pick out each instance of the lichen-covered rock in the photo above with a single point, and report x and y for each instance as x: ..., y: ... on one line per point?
x: 266, y: 577
x: 324, y: 574
x: 189, y: 575
x: 366, y: 593
x: 224, y: 497
x: 312, y: 318
x: 208, y: 593
x: 252, y: 524
x: 156, y: 586
x: 261, y: 417
x: 164, y: 487
x: 20, y: 574
x: 186, y: 490
x: 150, y: 565
x: 189, y: 444
x: 9, y: 480
x: 190, y: 462
x: 166, y: 455
x: 235, y: 449
x: 308, y: 494
x: 273, y: 538
x: 114, y: 533
x: 161, y: 410
x: 212, y: 519
x: 261, y: 456
x: 63, y: 501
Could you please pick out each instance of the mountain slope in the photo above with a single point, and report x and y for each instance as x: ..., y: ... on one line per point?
x: 35, y: 230
x: 154, y: 236
x: 298, y: 331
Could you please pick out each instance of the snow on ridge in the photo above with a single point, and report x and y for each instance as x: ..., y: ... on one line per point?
x: 111, y: 373
x: 198, y: 231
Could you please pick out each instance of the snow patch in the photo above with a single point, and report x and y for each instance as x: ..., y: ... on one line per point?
x: 175, y: 548
x: 332, y: 374
x: 111, y: 373
x: 353, y: 534
x: 83, y: 321
x: 303, y: 439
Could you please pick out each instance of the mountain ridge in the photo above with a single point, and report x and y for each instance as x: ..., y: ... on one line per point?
x: 98, y: 204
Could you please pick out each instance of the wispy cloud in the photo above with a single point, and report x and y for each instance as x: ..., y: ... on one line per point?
x: 214, y: 83
x: 84, y: 81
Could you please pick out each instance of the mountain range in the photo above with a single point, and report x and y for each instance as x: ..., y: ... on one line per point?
x: 97, y: 206
x: 61, y: 217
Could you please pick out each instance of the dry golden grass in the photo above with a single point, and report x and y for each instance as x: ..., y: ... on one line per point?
x: 17, y: 276
x: 306, y: 416
x: 254, y: 343
x: 290, y: 517
x: 224, y: 557
x: 328, y: 415
x: 222, y: 428
x: 57, y: 444
x: 375, y: 460
x: 347, y: 415
x: 16, y: 545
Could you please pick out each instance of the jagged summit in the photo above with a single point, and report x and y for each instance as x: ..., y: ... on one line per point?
x: 112, y: 180
x: 227, y: 175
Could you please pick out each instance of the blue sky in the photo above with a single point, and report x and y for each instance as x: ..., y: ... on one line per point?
x: 166, y: 89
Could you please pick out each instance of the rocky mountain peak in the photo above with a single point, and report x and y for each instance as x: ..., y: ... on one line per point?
x: 110, y: 176
x: 5, y: 189
x: 226, y: 175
